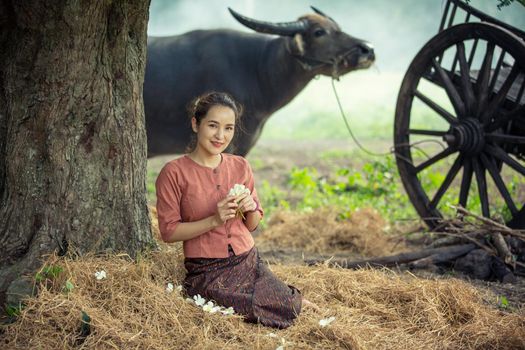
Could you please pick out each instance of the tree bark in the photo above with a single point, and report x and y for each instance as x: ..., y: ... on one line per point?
x: 72, y: 132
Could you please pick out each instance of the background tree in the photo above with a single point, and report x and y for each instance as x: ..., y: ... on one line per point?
x: 72, y: 133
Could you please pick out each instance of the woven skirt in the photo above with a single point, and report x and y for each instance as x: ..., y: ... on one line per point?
x: 245, y: 283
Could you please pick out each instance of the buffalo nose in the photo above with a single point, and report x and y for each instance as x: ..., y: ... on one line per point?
x: 366, y: 49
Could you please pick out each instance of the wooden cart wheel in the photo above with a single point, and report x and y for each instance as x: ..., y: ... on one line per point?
x: 464, y: 93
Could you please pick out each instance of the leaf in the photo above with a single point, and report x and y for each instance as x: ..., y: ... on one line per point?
x: 503, y: 301
x: 69, y: 286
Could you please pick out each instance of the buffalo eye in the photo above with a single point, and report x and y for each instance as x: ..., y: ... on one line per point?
x: 319, y: 32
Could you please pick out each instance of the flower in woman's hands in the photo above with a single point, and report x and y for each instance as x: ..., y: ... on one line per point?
x: 237, y: 190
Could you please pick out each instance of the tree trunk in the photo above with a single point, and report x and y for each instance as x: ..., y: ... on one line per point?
x: 72, y: 132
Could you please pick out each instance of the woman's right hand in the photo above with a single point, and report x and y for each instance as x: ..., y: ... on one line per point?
x: 226, y: 210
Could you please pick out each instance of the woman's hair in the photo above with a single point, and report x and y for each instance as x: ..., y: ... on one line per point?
x: 200, y: 106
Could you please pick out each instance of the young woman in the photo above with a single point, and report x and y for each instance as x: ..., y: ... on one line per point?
x: 193, y: 206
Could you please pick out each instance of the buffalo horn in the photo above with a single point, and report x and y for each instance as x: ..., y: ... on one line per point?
x: 286, y: 28
x: 319, y: 12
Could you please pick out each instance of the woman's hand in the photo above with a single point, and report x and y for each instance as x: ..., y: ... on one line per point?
x: 225, y: 210
x: 246, y: 202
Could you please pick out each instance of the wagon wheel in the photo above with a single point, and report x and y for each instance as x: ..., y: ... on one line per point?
x: 481, y: 125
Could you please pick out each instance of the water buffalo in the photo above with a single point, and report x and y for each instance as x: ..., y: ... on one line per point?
x: 264, y: 72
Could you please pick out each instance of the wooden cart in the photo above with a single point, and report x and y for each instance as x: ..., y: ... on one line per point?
x: 470, y: 76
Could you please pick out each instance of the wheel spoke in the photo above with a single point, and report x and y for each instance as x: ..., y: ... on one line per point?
x: 483, y: 78
x: 506, y: 118
x: 438, y: 109
x: 494, y: 173
x: 465, y: 182
x: 482, y: 187
x: 506, y: 138
x: 466, y: 84
x: 443, y: 154
x: 500, y: 96
x: 499, y: 153
x: 452, y: 93
x: 426, y: 132
x: 446, y: 183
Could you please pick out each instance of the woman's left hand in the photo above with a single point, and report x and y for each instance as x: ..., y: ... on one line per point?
x: 246, y: 203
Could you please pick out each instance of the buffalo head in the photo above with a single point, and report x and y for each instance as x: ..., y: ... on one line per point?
x: 318, y: 43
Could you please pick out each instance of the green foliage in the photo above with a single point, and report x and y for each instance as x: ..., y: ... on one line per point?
x: 69, y: 286
x: 14, y: 310
x: 48, y: 272
x: 374, y: 185
x: 503, y: 3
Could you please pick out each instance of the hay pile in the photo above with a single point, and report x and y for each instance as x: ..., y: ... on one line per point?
x: 373, y: 310
x: 320, y: 232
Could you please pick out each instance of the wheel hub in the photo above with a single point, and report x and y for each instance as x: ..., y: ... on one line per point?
x: 467, y: 136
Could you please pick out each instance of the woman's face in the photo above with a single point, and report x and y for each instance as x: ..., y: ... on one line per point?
x: 216, y: 129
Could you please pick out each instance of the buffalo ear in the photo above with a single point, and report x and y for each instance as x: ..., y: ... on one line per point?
x: 297, y: 45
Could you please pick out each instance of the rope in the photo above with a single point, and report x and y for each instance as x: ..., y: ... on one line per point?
x: 392, y: 148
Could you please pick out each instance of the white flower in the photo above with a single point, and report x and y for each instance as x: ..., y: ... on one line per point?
x: 208, y: 307
x: 238, y: 189
x: 228, y: 311
x: 199, y: 301
x: 100, y: 275
x: 169, y: 288
x: 179, y: 288
x: 189, y: 300
x: 326, y: 321
x: 271, y: 335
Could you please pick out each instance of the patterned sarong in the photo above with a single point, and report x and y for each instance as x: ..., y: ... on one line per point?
x: 245, y: 283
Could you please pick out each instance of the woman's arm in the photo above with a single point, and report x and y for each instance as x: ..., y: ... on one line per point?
x: 188, y: 230
x: 252, y: 220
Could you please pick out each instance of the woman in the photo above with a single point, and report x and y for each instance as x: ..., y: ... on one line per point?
x: 193, y: 206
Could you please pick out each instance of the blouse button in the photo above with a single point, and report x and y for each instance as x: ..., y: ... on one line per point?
x: 229, y: 236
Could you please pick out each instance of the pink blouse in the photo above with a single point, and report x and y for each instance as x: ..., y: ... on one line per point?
x: 188, y: 191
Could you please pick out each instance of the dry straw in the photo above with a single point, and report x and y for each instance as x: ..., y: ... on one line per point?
x: 321, y: 232
x: 131, y: 309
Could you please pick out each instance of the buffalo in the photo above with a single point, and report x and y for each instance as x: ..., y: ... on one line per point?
x: 262, y: 71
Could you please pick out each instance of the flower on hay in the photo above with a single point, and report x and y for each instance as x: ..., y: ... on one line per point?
x: 100, y: 275
x: 179, y: 288
x: 237, y: 190
x: 199, y: 301
x: 228, y: 311
x: 169, y: 288
x: 326, y: 321
x: 209, y: 307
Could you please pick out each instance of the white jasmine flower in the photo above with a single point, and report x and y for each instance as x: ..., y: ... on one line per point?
x: 271, y: 335
x: 169, y: 288
x: 228, y: 311
x: 326, y: 321
x: 215, y: 309
x: 238, y: 189
x: 208, y: 307
x: 179, y: 288
x: 100, y: 275
x: 199, y: 301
